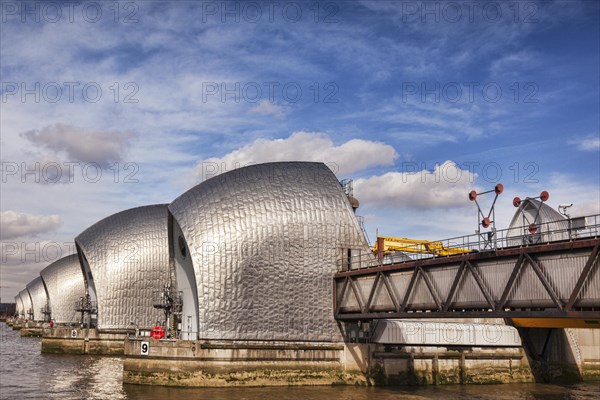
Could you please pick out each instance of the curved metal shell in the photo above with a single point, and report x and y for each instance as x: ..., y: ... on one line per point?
x: 19, y: 305
x: 423, y: 332
x: 27, y: 310
x: 265, y: 241
x: 39, y: 298
x: 551, y: 224
x: 125, y: 258
x: 64, y: 284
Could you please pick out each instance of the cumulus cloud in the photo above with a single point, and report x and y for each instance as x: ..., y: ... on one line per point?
x: 351, y: 156
x: 446, y: 186
x: 17, y: 224
x: 103, y: 147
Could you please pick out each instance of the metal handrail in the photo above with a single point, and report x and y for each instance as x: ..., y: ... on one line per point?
x: 521, y: 236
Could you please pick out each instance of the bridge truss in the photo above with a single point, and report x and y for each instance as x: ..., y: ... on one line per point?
x: 549, y: 280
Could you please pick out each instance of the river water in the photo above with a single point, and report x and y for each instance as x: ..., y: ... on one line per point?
x: 25, y: 373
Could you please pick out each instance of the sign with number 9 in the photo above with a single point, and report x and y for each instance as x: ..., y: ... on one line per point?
x: 145, y: 348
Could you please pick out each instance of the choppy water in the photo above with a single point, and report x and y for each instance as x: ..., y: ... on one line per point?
x: 27, y: 374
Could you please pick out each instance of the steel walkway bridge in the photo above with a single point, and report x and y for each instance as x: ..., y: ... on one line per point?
x: 524, y: 274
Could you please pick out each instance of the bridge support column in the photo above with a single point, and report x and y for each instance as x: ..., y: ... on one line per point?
x: 553, y: 357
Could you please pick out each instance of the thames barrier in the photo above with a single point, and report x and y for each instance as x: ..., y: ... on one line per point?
x: 264, y: 276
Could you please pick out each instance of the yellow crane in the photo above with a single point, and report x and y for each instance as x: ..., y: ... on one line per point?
x: 390, y: 244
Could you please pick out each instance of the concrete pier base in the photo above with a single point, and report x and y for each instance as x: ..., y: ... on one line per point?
x: 439, y: 366
x: 563, y: 355
x: 224, y: 364
x: 31, y: 332
x: 31, y: 329
x: 218, y: 364
x: 15, y: 323
x: 588, y: 351
x: 62, y: 340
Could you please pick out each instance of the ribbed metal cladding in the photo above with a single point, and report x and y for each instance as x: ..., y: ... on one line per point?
x: 24, y: 295
x: 64, y: 283
x: 39, y: 299
x: 128, y: 257
x: 265, y: 241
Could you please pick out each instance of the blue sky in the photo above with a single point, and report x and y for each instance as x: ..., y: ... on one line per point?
x: 418, y: 102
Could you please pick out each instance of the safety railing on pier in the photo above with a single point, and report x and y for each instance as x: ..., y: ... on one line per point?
x: 527, y: 235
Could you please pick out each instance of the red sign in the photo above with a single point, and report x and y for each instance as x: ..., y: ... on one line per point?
x: 157, y: 332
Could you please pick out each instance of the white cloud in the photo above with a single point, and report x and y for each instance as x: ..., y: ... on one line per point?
x: 82, y: 145
x: 513, y: 64
x: 268, y: 108
x: 17, y: 224
x: 588, y: 143
x: 447, y: 186
x: 351, y: 156
x: 568, y: 188
x: 424, y: 137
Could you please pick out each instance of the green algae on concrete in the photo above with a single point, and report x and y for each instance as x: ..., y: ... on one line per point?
x: 81, y: 346
x: 252, y: 377
x: 31, y: 332
x: 450, y: 367
x: 590, y: 371
x: 69, y: 340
